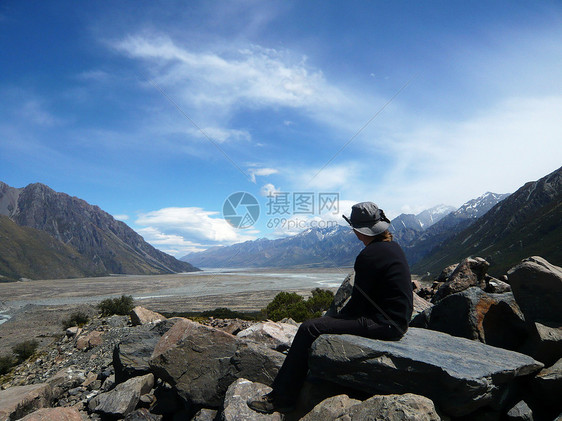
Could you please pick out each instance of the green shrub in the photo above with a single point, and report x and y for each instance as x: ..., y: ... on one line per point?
x: 6, y: 364
x: 24, y: 350
x: 290, y: 304
x: 121, y: 306
x: 76, y: 319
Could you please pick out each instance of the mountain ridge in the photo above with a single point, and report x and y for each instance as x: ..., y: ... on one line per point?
x: 110, y: 246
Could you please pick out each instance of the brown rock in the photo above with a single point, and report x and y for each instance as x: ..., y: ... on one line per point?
x: 394, y: 408
x: 18, y: 401
x: 331, y: 408
x: 54, y: 414
x: 89, y: 340
x: 470, y: 272
x: 140, y: 316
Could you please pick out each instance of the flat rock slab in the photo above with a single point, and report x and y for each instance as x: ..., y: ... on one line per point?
x: 458, y: 374
x: 19, y: 401
x: 54, y: 414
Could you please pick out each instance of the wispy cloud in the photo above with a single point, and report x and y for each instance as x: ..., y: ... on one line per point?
x: 261, y: 172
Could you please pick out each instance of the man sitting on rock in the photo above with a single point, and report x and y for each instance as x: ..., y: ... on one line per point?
x: 380, y: 306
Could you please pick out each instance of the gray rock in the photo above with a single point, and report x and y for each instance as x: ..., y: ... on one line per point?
x: 420, y: 305
x: 201, y: 362
x: 235, y: 406
x: 132, y: 355
x: 18, y: 401
x: 458, y: 374
x: 66, y: 379
x: 494, y: 319
x: 520, y: 412
x: 205, y: 414
x: 470, y: 272
x: 537, y: 287
x: 547, y: 386
x: 544, y: 343
x: 330, y: 408
x: 495, y: 286
x: 407, y: 407
x: 277, y: 336
x: 342, y: 295
x: 124, y: 398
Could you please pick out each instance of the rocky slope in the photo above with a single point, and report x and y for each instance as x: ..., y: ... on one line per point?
x: 150, y: 368
x: 528, y: 222
x: 109, y: 246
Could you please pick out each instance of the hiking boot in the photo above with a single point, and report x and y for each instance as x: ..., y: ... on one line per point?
x: 268, y: 404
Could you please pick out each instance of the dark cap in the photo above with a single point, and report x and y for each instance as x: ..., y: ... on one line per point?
x: 368, y: 219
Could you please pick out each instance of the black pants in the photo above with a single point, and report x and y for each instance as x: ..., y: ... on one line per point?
x: 289, y: 380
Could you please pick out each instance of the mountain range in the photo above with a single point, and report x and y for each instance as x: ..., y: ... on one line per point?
x: 338, y: 246
x: 46, y: 234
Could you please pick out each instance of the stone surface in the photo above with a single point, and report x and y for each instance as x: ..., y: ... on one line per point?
x: 393, y: 408
x: 520, y: 412
x: 54, y: 414
x: 537, y: 287
x: 205, y: 414
x: 458, y: 374
x: 342, y: 295
x: 65, y: 379
x: 277, y: 336
x: 142, y: 414
x: 470, y: 272
x: 544, y: 343
x: 140, y: 316
x: 16, y: 402
x: 132, y: 355
x: 420, y: 305
x: 124, y: 398
x: 496, y: 286
x: 89, y: 340
x: 494, y: 319
x: 331, y: 408
x: 201, y: 362
x: 547, y: 386
x: 235, y: 402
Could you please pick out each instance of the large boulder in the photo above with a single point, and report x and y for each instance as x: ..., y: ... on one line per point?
x: 235, y: 402
x: 470, y: 272
x: 342, y: 295
x: 330, y: 408
x: 494, y: 319
x: 407, y: 407
x: 544, y: 343
x: 201, y: 362
x: 277, y: 336
x: 18, y: 401
x: 132, y: 355
x: 547, y: 386
x: 537, y: 287
x: 458, y: 374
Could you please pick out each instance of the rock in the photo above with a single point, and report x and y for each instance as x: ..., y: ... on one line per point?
x: 537, y: 287
x: 330, y: 409
x: 54, y: 414
x: 520, y: 412
x: 494, y: 319
x: 142, y: 414
x: 289, y: 321
x: 547, y: 386
x: 342, y: 295
x: 445, y: 273
x: 495, y: 286
x: 89, y: 340
x: 140, y: 316
x: 65, y: 379
x: 234, y: 327
x: 470, y: 272
x: 544, y: 343
x: 393, y: 408
x: 420, y: 305
x: 205, y: 414
x: 277, y: 336
x: 458, y: 374
x: 73, y: 331
x: 132, y: 355
x: 235, y: 406
x: 18, y: 401
x: 201, y: 362
x: 124, y: 398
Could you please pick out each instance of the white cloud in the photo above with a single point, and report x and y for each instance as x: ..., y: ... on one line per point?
x: 261, y: 172
x: 221, y: 135
x: 189, y: 229
x: 269, y: 190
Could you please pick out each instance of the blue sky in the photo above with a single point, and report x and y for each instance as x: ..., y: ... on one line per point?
x: 158, y: 111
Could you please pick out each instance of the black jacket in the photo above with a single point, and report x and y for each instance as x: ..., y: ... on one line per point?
x: 382, y: 275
